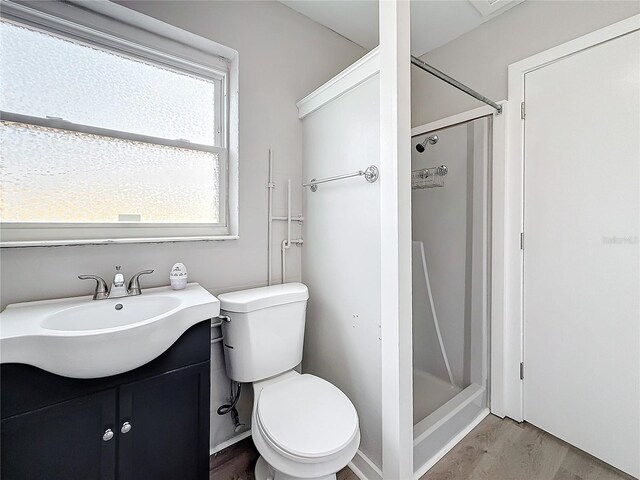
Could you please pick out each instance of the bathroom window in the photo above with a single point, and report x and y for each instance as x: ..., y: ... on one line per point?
x: 103, y: 139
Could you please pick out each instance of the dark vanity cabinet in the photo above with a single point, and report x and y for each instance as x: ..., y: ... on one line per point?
x: 150, y: 423
x: 168, y: 410
x: 59, y: 441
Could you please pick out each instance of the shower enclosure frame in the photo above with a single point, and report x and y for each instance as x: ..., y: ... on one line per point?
x: 494, y: 324
x: 382, y: 357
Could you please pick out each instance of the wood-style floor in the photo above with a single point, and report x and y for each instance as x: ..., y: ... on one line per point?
x: 500, y: 449
x: 495, y: 450
x: 235, y: 462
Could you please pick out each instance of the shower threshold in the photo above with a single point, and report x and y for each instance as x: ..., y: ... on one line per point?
x: 440, y: 431
x: 430, y: 393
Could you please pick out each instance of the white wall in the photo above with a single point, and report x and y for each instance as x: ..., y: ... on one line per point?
x: 283, y: 56
x: 480, y: 57
x: 341, y: 256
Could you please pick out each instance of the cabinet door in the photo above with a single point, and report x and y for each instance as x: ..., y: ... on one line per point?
x: 164, y: 426
x: 64, y: 441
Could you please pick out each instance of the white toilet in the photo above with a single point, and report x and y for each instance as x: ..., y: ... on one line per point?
x: 303, y: 426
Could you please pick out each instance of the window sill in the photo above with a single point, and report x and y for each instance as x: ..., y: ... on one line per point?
x: 114, y: 241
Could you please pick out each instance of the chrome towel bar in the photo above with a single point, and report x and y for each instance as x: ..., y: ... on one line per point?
x: 371, y: 174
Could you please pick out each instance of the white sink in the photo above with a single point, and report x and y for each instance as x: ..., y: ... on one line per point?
x: 85, y: 338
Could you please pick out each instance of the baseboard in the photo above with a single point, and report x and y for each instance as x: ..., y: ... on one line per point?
x: 454, y: 441
x: 228, y: 443
x: 364, y: 468
x: 361, y: 465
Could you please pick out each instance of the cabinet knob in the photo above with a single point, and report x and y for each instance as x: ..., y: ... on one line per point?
x: 107, y: 435
x: 126, y: 427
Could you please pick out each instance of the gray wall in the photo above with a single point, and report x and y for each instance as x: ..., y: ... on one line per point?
x: 283, y: 56
x: 480, y: 57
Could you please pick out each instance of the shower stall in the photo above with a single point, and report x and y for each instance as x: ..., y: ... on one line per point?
x: 358, y: 264
x: 450, y: 255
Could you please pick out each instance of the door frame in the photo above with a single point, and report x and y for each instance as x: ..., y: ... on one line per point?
x: 508, y: 351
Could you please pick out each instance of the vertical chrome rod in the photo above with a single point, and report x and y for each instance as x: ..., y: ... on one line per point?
x: 270, y: 187
x: 289, y: 212
x: 454, y: 83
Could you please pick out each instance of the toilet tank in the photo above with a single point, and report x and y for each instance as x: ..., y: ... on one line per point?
x: 265, y: 331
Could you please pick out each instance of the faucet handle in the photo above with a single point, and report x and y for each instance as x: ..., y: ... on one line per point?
x: 134, y: 283
x: 102, y: 290
x: 118, y: 278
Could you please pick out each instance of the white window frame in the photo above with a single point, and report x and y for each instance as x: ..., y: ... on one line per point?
x: 114, y: 27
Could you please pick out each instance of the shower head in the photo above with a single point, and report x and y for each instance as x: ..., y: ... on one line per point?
x: 432, y: 140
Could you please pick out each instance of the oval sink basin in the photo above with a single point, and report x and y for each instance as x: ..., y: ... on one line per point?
x: 107, y: 314
x: 85, y: 338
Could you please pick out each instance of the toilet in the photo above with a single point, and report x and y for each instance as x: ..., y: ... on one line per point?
x: 303, y: 426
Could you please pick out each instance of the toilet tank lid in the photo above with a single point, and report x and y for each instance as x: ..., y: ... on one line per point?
x: 263, y: 297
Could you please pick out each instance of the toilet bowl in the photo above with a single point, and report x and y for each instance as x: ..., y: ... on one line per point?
x: 303, y: 426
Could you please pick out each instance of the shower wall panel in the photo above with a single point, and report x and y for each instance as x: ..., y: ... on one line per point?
x: 451, y: 223
x: 341, y: 254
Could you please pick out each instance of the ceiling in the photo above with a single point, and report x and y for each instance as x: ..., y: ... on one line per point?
x: 433, y: 22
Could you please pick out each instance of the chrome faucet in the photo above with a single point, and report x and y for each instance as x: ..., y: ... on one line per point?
x: 118, y: 288
x: 117, y: 285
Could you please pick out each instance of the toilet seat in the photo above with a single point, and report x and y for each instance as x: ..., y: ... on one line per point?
x: 306, y: 418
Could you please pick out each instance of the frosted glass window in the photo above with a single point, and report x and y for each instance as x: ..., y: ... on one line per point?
x: 106, y: 138
x: 49, y: 175
x: 44, y: 75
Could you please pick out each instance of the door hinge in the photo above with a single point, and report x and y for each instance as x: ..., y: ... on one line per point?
x: 521, y: 370
x: 521, y: 240
x: 522, y: 112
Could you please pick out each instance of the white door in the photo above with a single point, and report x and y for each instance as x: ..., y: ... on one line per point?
x: 581, y: 252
